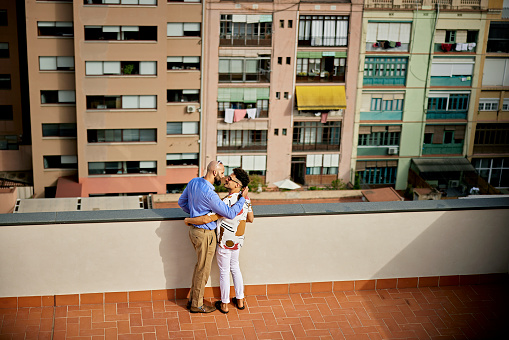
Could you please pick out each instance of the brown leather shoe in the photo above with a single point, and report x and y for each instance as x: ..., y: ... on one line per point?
x: 202, y: 309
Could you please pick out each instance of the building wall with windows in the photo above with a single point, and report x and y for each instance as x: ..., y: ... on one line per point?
x: 15, y: 152
x: 263, y: 53
x: 417, y: 87
x: 488, y: 148
x: 110, y: 82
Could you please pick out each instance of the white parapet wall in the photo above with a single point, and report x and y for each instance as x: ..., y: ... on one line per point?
x: 56, y: 259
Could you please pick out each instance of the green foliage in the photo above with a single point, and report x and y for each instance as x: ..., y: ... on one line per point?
x: 337, y: 184
x: 255, y: 182
x: 128, y: 69
x: 357, y: 184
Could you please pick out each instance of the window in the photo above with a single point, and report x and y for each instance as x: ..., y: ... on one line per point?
x: 9, y: 142
x: 280, y: 60
x: 5, y: 81
x: 455, y: 40
x: 56, y: 63
x: 58, y: 97
x: 385, y: 71
x: 100, y: 68
x: 252, y: 164
x: 120, y: 2
x: 488, y: 104
x: 241, y: 140
x: 444, y: 134
x: 290, y: 23
x: 3, y: 17
x: 243, y: 98
x: 496, y: 72
x: 320, y: 30
x: 382, y: 102
x: 276, y: 132
x: 281, y: 23
x: 121, y: 102
x: 121, y: 135
x: 316, y: 136
x: 447, y: 105
x: 498, y: 41
x: 184, y: 1
x: 59, y: 130
x: 452, y: 67
x: 388, y: 36
x: 245, y: 30
x: 505, y: 105
x: 322, y: 164
x: 173, y: 159
x: 183, y: 29
x: 183, y: 63
x: 55, y: 29
x: 286, y: 95
x: 491, y: 138
x: 182, y: 128
x: 140, y: 33
x: 183, y: 96
x: 325, y: 68
x: 278, y: 95
x: 494, y: 170
x: 246, y: 69
x: 288, y: 60
x: 6, y: 112
x: 4, y: 50
x: 379, y: 135
x: 60, y: 162
x: 377, y: 172
x: 284, y: 132
x: 122, y: 168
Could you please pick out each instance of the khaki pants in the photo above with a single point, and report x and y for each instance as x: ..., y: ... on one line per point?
x: 204, y: 242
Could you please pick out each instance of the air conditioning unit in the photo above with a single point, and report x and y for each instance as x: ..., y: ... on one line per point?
x: 392, y: 151
x: 191, y: 109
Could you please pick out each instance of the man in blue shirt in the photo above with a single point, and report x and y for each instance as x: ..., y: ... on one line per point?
x: 199, y: 198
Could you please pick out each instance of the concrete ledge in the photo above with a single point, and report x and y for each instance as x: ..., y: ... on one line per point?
x: 261, y: 211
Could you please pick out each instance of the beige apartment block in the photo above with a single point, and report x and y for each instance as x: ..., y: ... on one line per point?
x: 15, y: 153
x: 114, y: 95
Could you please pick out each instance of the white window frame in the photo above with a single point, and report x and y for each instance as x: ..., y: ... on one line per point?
x: 488, y: 104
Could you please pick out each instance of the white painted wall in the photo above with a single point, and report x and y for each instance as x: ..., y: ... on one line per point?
x: 129, y: 256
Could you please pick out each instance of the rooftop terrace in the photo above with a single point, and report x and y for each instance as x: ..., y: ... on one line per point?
x: 387, y: 270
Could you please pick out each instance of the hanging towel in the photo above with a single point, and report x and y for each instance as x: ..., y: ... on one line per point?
x: 324, y: 117
x: 251, y: 113
x: 470, y: 46
x: 392, y: 44
x: 458, y: 47
x: 239, y: 115
x: 228, y: 115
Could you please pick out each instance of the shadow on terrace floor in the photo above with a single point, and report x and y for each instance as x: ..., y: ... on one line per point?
x: 450, y: 312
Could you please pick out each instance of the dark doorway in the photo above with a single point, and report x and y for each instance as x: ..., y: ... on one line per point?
x: 298, y: 170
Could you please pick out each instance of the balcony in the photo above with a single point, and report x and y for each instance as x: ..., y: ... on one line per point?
x: 385, y: 270
x: 413, y: 4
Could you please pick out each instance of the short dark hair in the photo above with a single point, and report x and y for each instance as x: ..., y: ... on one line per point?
x: 242, y: 176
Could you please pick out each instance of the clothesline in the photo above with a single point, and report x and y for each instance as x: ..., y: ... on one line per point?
x: 235, y: 115
x: 458, y: 47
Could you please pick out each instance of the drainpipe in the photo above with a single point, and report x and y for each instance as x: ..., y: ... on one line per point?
x: 200, y: 109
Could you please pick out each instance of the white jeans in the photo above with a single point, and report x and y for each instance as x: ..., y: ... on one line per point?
x: 228, y: 260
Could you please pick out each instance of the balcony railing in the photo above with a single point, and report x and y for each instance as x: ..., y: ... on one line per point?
x: 239, y: 40
x: 413, y: 4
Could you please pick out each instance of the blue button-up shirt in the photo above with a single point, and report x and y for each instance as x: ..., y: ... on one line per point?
x: 199, y: 198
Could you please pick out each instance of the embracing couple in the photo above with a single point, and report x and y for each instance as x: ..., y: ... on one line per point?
x: 217, y: 223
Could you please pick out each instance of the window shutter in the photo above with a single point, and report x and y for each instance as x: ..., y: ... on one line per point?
x: 66, y: 97
x: 192, y: 26
x: 372, y: 32
x: 364, y: 130
x: 318, y: 160
x: 47, y: 63
x: 429, y: 129
x: 394, y: 128
x: 440, y: 36
x: 111, y: 67
x: 459, y: 132
x: 381, y: 164
x: 250, y: 95
x: 173, y: 128
x: 383, y: 31
x: 174, y: 59
x: 461, y: 36
x: 404, y: 33
x: 394, y: 29
x: 334, y: 160
x: 130, y: 28
x: 465, y: 69
x: 130, y: 102
x: 173, y: 156
x: 148, y: 102
x: 260, y: 163
x: 223, y: 94
x: 239, y: 18
x: 310, y: 161
x: 148, y: 164
x: 360, y: 166
x: 235, y: 161
x: 93, y: 68
x: 69, y: 159
x: 65, y: 61
x: 438, y: 134
x: 191, y: 59
x: 493, y: 74
x: 190, y: 128
x: 111, y: 29
x: 441, y: 69
x: 378, y: 128
x: 327, y: 160
x: 366, y: 102
x: 248, y: 162
x: 175, y: 29
x: 148, y: 67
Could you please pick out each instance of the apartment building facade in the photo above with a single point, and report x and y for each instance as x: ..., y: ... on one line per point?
x: 281, y: 105
x: 15, y: 149
x: 115, y: 95
x: 489, y: 146
x: 132, y: 96
x: 416, y: 99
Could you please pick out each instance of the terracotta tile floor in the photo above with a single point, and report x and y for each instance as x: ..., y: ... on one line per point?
x: 455, y: 312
